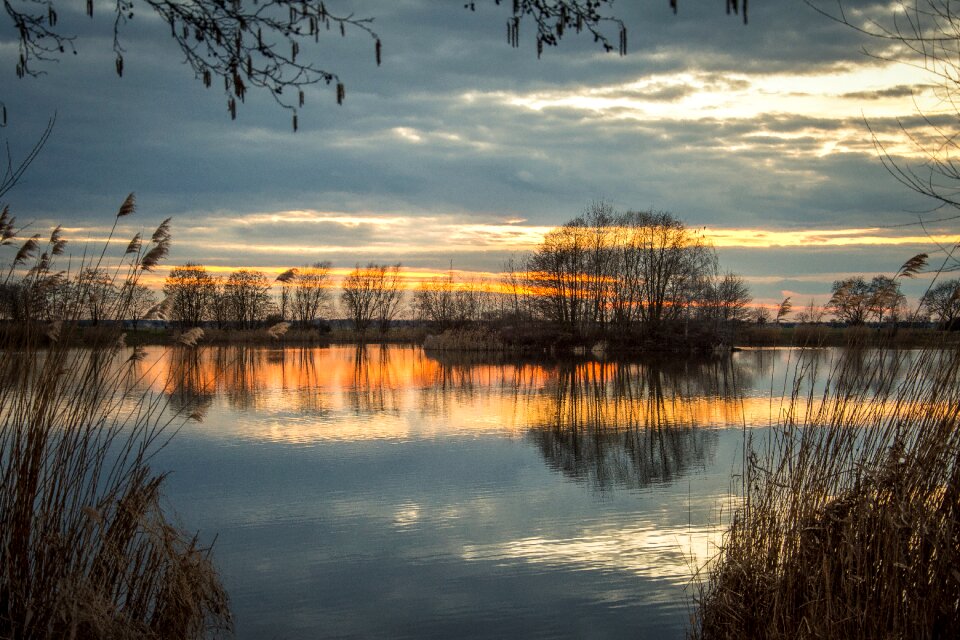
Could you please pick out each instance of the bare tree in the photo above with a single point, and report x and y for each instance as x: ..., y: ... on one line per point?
x: 311, y: 292
x: 98, y: 292
x: 514, y: 294
x: 433, y: 302
x: 189, y: 290
x: 139, y: 299
x: 760, y: 315
x: 390, y: 298
x: 850, y: 300
x: 885, y: 297
x: 57, y: 297
x: 371, y: 294
x: 728, y: 299
x: 671, y: 259
x: 812, y: 313
x: 447, y: 303
x: 943, y: 303
x: 245, y: 292
x: 557, y: 273
x: 218, y: 309
x: 636, y: 269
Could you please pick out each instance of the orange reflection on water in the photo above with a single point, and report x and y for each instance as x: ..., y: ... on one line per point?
x: 345, y: 393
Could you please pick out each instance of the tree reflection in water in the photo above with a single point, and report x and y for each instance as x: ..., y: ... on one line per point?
x: 615, y: 424
x: 631, y: 424
x: 241, y: 374
x: 611, y: 424
x: 189, y: 385
x: 374, y: 389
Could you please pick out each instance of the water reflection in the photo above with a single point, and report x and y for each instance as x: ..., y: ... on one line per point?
x: 449, y: 494
x: 382, y: 492
x: 610, y: 424
x: 375, y: 388
x: 630, y: 424
x: 318, y: 394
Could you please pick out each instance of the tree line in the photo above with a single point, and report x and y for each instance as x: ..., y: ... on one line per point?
x: 856, y: 301
x: 604, y: 274
x: 370, y: 296
x: 96, y: 291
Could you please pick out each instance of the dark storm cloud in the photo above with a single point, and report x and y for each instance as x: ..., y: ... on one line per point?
x: 433, y: 132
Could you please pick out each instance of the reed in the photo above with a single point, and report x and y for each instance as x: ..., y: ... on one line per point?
x: 478, y: 339
x: 86, y: 549
x: 849, y: 525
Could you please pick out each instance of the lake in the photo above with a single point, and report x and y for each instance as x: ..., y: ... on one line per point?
x: 388, y: 492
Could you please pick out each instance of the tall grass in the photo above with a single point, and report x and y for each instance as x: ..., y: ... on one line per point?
x: 86, y: 549
x: 478, y: 339
x: 850, y: 520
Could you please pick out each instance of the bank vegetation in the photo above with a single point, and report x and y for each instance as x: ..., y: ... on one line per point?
x: 87, y: 549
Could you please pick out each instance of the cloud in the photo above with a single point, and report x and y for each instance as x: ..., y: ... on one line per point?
x: 725, y: 125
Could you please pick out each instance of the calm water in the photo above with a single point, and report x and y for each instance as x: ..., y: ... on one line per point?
x: 388, y: 493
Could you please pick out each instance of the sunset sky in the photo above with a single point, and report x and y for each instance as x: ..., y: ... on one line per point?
x: 460, y: 149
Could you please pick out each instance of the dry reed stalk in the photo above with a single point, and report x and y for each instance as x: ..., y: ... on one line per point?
x: 278, y: 330
x: 86, y: 551
x: 479, y: 339
x: 850, y: 524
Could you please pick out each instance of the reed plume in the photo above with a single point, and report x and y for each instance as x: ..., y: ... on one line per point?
x: 86, y: 549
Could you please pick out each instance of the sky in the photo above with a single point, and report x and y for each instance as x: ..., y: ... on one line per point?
x: 461, y: 151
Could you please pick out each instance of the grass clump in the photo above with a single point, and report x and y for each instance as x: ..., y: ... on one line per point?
x: 850, y: 520
x: 473, y: 339
x: 86, y: 549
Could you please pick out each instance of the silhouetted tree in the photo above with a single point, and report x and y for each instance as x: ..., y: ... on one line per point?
x: 942, y: 302
x: 448, y: 303
x: 811, y: 314
x: 245, y: 293
x: 311, y: 292
x: 372, y: 294
x: 189, y: 290
x: 728, y: 298
x: 139, y: 300
x: 98, y: 293
x: 885, y: 297
x: 626, y: 270
x: 850, y: 300
x: 218, y: 309
x: 760, y: 315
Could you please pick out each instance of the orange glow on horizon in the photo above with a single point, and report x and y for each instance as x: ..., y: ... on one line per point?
x: 466, y: 241
x: 871, y: 236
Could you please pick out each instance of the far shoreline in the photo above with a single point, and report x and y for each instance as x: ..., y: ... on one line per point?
x: 505, y: 341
